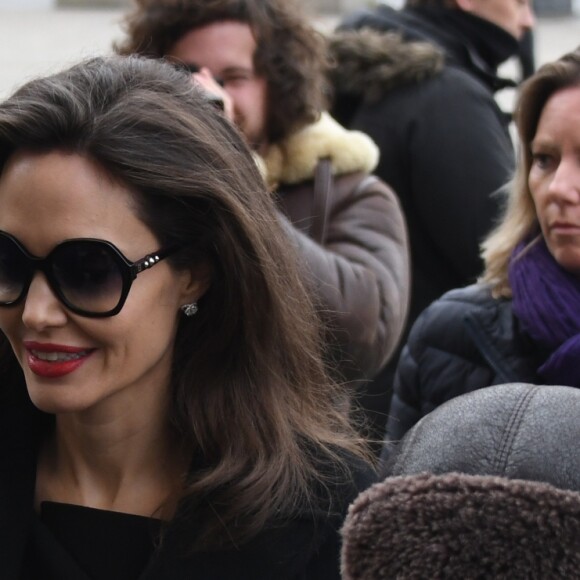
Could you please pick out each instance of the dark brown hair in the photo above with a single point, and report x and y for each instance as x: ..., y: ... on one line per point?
x: 290, y: 53
x: 251, y: 394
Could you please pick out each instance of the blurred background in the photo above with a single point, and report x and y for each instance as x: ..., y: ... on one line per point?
x: 43, y: 36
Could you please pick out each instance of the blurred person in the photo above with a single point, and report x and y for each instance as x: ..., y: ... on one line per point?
x: 521, y: 321
x: 421, y: 82
x: 527, y: 55
x: 267, y: 63
x: 165, y: 408
x: 527, y: 51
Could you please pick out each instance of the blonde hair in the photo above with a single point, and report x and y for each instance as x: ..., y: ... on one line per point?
x: 520, y: 218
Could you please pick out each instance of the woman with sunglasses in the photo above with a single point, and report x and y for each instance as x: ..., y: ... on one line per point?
x: 164, y: 412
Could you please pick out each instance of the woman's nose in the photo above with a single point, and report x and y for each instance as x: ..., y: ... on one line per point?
x: 42, y: 309
x: 565, y: 184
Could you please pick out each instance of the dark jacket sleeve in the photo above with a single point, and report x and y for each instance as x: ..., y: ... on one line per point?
x: 360, y: 273
x: 466, y: 340
x: 406, y: 404
x: 445, y: 149
x: 473, y: 160
x: 440, y: 360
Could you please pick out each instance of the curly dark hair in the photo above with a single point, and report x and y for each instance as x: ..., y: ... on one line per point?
x: 290, y: 53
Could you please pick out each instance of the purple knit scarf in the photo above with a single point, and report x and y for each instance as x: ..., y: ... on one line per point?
x: 546, y: 300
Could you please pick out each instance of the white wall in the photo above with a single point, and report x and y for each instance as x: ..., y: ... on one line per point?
x: 27, y: 4
x: 393, y: 3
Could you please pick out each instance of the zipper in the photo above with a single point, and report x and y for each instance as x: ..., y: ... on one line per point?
x: 488, y: 350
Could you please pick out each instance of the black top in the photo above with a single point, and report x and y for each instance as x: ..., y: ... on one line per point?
x: 302, y: 546
x: 88, y: 543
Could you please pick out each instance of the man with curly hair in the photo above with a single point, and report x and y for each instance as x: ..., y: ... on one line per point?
x: 268, y: 64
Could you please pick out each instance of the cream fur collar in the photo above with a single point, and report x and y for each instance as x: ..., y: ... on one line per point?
x: 294, y: 160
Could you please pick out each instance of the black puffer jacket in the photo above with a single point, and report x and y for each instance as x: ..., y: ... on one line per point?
x: 443, y: 140
x: 464, y: 341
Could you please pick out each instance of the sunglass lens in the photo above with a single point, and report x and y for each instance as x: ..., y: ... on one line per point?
x: 88, y: 275
x: 15, y: 271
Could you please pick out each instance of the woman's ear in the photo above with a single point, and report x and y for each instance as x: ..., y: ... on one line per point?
x: 195, y: 282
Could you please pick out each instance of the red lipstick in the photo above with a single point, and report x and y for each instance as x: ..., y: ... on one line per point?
x: 55, y: 360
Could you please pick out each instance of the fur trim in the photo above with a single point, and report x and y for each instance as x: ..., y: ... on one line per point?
x: 295, y: 159
x: 462, y: 526
x: 370, y: 64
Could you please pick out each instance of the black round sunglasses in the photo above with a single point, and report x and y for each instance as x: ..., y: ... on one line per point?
x: 90, y: 277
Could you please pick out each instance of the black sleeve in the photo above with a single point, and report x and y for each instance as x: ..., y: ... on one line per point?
x: 462, y: 158
x: 446, y: 151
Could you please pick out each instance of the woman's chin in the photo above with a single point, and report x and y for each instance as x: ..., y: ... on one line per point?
x: 568, y: 259
x: 55, y: 399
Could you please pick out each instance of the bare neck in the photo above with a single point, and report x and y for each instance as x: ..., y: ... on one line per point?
x: 128, y: 463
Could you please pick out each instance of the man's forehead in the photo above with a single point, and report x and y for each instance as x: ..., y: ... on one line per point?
x: 221, y: 44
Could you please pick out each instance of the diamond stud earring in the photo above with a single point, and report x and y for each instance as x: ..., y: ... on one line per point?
x: 189, y: 309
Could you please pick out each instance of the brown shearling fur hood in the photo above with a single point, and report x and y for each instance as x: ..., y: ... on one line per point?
x: 462, y: 526
x: 369, y: 64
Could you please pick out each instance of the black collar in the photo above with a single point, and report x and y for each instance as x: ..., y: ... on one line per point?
x: 469, y: 41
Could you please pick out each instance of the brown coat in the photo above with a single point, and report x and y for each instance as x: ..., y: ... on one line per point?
x: 349, y: 228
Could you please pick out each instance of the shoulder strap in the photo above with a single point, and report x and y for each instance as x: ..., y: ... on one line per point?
x: 323, y: 184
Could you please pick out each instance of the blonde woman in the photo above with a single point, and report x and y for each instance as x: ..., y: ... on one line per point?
x: 522, y: 321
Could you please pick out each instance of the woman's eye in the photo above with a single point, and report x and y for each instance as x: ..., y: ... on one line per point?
x: 542, y: 160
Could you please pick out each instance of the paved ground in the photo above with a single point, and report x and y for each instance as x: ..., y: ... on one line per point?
x: 39, y: 42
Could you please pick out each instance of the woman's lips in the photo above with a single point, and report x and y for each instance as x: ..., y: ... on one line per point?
x: 564, y: 228
x: 55, y: 360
